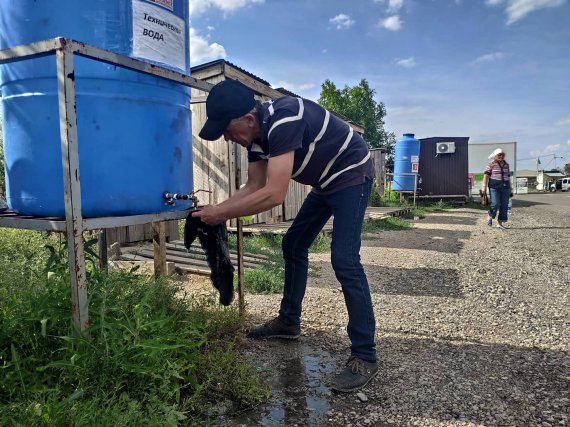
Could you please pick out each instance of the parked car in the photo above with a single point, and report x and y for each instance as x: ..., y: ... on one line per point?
x: 563, y: 184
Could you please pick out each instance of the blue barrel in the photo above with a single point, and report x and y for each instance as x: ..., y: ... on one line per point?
x: 134, y: 130
x: 406, y: 148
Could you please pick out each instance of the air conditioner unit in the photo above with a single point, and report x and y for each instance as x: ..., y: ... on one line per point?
x: 445, y: 147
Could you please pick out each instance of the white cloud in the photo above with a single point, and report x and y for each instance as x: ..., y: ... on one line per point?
x: 568, y: 143
x: 406, y: 62
x: 199, y: 6
x: 342, y: 21
x: 202, y: 50
x: 552, y: 148
x: 395, y: 5
x: 392, y: 23
x: 294, y: 87
x: 518, y: 9
x: 548, y: 150
x: 489, y: 57
x: 563, y: 122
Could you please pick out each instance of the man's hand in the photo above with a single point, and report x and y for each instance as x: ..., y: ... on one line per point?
x: 209, y: 214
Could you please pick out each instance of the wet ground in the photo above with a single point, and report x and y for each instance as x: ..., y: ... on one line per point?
x: 299, y: 386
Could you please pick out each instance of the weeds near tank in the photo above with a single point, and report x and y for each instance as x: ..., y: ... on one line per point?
x: 151, y: 356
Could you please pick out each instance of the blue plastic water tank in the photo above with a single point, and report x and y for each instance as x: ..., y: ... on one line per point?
x: 134, y: 130
x: 406, y: 147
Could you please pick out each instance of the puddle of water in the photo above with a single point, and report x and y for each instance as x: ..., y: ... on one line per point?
x: 298, y: 377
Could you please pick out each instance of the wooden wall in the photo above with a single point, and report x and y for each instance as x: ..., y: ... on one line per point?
x: 379, y: 158
x: 215, y: 161
x: 138, y: 233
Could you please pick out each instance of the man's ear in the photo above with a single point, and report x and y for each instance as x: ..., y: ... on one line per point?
x: 250, y: 118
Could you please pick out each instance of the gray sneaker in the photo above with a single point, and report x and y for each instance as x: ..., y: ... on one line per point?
x: 275, y: 329
x: 355, y: 375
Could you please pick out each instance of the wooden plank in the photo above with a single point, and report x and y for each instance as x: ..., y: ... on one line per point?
x: 263, y: 89
x: 179, y: 245
x: 189, y: 258
x: 178, y: 268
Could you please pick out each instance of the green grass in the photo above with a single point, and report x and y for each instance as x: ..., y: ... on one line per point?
x: 389, y: 224
x: 269, y: 278
x: 150, y: 356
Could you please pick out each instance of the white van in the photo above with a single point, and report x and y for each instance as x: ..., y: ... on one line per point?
x: 565, y: 184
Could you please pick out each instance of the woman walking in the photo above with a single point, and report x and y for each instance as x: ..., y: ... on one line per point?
x: 497, y: 179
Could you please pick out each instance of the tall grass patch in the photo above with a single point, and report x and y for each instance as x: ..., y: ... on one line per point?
x: 149, y: 356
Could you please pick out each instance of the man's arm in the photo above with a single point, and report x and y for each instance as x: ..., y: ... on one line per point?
x: 262, y: 191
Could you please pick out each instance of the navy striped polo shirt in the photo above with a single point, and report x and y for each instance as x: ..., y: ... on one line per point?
x: 329, y: 155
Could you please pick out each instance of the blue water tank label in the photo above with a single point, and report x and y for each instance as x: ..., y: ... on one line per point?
x: 158, y: 35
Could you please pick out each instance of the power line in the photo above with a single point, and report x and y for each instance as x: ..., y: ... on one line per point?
x: 545, y: 155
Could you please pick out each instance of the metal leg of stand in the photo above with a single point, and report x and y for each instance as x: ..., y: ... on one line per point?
x: 103, y: 258
x: 72, y: 188
x: 241, y: 295
x: 159, y: 243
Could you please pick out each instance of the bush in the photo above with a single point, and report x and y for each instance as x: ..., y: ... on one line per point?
x: 264, y: 280
x: 148, y: 358
x: 375, y: 199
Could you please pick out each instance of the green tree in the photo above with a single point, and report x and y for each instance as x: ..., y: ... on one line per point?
x: 358, y: 105
x: 567, y: 168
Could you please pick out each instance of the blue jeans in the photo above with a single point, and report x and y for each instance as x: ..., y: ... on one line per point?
x: 499, y: 202
x: 348, y: 207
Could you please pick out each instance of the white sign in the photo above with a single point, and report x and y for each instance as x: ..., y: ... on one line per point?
x: 415, y: 167
x: 158, y: 35
x: 415, y: 159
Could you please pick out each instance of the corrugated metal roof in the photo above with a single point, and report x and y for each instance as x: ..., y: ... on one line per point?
x: 223, y: 61
x: 287, y: 92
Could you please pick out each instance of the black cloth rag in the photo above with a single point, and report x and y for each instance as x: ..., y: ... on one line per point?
x: 214, y: 241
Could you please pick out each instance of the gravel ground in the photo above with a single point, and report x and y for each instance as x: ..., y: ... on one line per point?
x: 473, y: 328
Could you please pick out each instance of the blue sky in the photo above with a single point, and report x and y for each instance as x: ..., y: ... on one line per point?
x: 493, y: 70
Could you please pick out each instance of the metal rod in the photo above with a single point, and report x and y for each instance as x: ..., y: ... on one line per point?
x: 113, y: 58
x: 72, y: 187
x: 41, y: 48
x: 415, y: 187
x: 241, y: 295
x: 103, y: 258
x: 46, y: 47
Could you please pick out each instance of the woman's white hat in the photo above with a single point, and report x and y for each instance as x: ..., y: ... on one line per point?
x: 494, y: 153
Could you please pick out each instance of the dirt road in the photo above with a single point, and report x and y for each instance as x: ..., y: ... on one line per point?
x: 473, y: 328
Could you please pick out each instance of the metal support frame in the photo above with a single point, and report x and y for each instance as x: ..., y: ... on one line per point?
x: 415, y: 175
x: 74, y: 224
x: 239, y: 229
